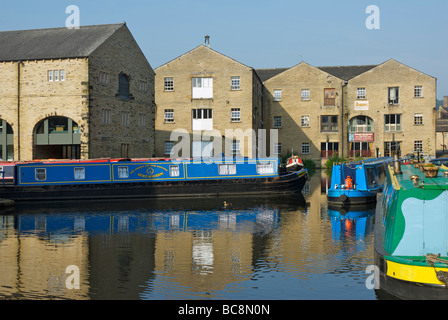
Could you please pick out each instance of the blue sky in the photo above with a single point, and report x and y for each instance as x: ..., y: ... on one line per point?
x: 265, y: 34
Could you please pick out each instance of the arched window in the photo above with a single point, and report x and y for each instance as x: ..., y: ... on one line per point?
x: 123, y: 86
x: 360, y: 124
x: 6, y: 141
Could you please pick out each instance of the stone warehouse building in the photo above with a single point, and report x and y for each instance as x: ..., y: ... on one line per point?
x: 75, y: 93
x: 350, y: 110
x: 204, y: 93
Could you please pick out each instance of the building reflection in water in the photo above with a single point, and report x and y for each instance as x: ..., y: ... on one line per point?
x: 159, y: 249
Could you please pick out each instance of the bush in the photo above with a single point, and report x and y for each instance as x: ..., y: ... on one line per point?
x: 332, y: 160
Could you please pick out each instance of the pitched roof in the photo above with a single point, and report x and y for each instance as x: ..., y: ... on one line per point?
x: 54, y: 43
x: 266, y: 74
x: 347, y: 72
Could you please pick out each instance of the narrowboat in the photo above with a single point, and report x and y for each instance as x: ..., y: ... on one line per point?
x: 411, y: 234
x: 294, y: 163
x: 357, y: 183
x: 149, y: 178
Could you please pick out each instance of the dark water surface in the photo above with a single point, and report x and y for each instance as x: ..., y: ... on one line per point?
x: 252, y: 248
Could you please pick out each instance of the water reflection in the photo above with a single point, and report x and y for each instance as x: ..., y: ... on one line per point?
x: 238, y: 248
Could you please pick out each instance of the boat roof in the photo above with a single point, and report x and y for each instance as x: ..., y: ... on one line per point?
x: 404, y: 180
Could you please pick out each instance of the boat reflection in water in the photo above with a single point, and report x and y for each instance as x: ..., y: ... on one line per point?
x: 355, y: 221
x: 122, y: 250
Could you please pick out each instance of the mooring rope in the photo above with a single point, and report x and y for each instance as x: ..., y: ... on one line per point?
x: 442, y: 276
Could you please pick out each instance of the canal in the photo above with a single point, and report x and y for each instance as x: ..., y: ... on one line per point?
x: 220, y: 248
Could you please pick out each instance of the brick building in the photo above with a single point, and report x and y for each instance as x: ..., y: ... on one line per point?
x: 350, y: 110
x: 75, y: 93
x: 204, y: 93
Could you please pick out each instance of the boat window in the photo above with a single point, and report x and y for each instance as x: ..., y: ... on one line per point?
x: 41, y: 174
x: 371, y: 177
x: 263, y: 168
x: 225, y: 169
x: 80, y: 173
x: 174, y: 171
x: 381, y: 174
x: 123, y: 172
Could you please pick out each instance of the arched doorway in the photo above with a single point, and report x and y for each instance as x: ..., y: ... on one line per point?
x: 6, y: 141
x: 57, y: 138
x: 361, y: 137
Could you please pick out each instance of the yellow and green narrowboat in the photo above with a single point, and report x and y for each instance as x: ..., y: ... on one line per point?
x: 411, y: 234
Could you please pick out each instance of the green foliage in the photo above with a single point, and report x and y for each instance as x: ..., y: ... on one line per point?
x: 329, y: 164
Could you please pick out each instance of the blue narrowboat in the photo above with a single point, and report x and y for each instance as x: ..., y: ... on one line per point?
x: 357, y: 183
x: 146, y: 178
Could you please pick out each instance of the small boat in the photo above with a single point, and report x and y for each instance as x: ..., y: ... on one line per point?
x: 411, y: 233
x: 294, y: 163
x: 357, y: 183
x: 148, y: 178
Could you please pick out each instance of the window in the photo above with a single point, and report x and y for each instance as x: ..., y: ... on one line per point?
x: 202, y: 88
x: 361, y: 93
x: 235, y: 83
x: 360, y: 124
x: 123, y: 172
x: 169, y: 84
x: 418, y: 92
x: 174, y: 171
x: 104, y: 77
x: 125, y: 118
x: 123, y: 86
x: 418, y: 119
x: 143, y: 86
x: 329, y: 123
x: 105, y: 116
x: 392, y: 122
x: 55, y: 75
x: 277, y: 95
x: 235, y: 115
x: 169, y: 145
x: 418, y: 145
x: 142, y: 120
x: 227, y: 169
x: 202, y: 119
x: 277, y: 122
x: 40, y: 174
x: 305, y: 94
x: 329, y: 97
x: 328, y: 149
x: 263, y: 168
x: 169, y: 115
x: 80, y: 173
x: 305, y: 148
x: 390, y: 147
x: 235, y: 147
x: 393, y: 95
x: 305, y: 121
x: 277, y: 148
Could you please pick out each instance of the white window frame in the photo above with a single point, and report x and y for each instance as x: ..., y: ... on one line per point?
x: 393, y: 127
x: 169, y: 115
x: 277, y: 148
x: 235, y: 83
x: 235, y: 115
x: 227, y: 169
x: 50, y: 75
x: 62, y: 75
x: 79, y: 173
x: 142, y: 120
x: 277, y: 94
x: 418, y: 91
x: 40, y: 174
x: 123, y: 172
x: 202, y: 87
x: 305, y: 121
x: 265, y: 168
x: 106, y: 116
x: 361, y: 93
x: 168, y: 84
x: 174, y: 171
x: 418, y: 145
x: 418, y: 119
x: 305, y: 96
x: 393, y: 95
x: 125, y: 118
x: 235, y: 147
x: 305, y: 148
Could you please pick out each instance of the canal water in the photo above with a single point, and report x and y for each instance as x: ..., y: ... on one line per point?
x: 221, y: 248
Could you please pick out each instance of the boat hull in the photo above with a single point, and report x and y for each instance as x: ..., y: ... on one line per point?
x: 342, y: 197
x: 284, y: 184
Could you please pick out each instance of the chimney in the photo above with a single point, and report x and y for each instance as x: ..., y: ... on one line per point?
x: 207, y: 41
